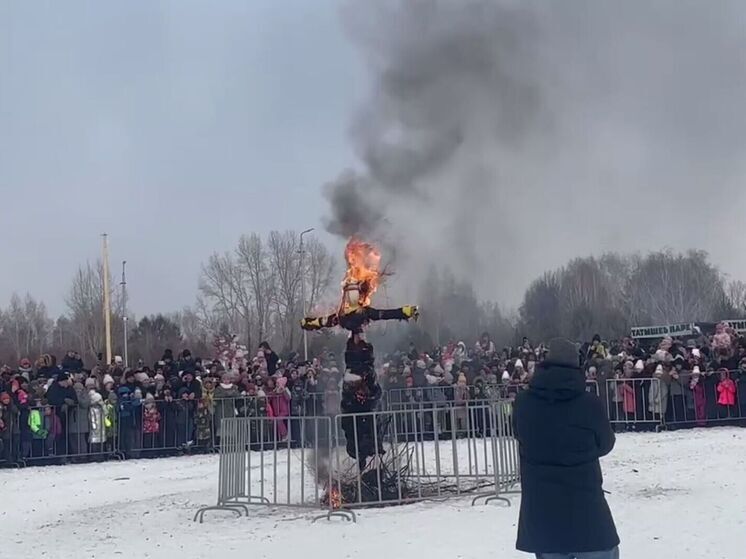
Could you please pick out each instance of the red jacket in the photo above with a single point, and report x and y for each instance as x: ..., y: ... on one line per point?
x: 150, y: 420
x: 727, y: 392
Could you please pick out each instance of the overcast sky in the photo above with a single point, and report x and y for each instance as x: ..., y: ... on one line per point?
x: 506, y: 137
x: 173, y: 126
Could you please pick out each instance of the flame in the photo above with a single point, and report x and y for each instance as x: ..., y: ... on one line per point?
x: 363, y: 261
x: 335, y: 498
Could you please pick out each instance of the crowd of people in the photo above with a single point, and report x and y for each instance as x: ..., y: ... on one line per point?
x: 52, y: 411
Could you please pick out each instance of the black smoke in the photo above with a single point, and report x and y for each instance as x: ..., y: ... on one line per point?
x: 501, y: 138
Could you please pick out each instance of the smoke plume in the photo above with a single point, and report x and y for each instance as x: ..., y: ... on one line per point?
x: 501, y: 138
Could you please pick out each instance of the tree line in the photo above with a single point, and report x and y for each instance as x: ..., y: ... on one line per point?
x: 255, y: 291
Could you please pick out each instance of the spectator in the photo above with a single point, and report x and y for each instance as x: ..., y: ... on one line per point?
x: 151, y: 423
x: 726, y: 394
x: 225, y: 402
x: 562, y: 432
x: 461, y: 401
x: 270, y: 358
x: 202, y: 425
x: 72, y: 363
x: 96, y: 423
x: 700, y: 403
x: 78, y: 421
x: 187, y: 363
x: 278, y: 404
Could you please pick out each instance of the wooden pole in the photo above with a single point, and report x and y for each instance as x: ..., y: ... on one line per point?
x: 107, y: 299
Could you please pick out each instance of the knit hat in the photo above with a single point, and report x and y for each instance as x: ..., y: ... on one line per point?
x: 563, y: 352
x: 518, y: 364
x: 108, y: 379
x: 149, y: 397
x: 639, y: 366
x: 90, y: 383
x: 118, y: 359
x: 95, y: 397
x: 695, y: 370
x: 506, y: 375
x: 159, y: 378
x: 659, y: 370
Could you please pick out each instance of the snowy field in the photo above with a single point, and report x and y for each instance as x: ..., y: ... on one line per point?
x: 674, y: 496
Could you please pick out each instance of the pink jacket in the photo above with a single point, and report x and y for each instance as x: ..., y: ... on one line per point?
x: 727, y: 392
x: 628, y: 392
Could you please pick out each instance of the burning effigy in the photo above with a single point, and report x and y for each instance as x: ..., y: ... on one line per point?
x: 360, y: 391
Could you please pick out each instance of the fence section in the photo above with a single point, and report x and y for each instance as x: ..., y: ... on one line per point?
x: 368, y: 459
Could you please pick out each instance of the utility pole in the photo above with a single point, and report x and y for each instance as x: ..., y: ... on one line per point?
x: 302, y: 252
x: 107, y: 298
x: 124, y: 310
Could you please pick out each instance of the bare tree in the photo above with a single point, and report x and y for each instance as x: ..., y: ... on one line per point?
x: 284, y: 259
x: 26, y: 326
x: 253, y: 259
x: 85, y: 302
x: 152, y: 335
x: 224, y: 285
x: 736, y: 293
x: 318, y: 271
x: 667, y: 288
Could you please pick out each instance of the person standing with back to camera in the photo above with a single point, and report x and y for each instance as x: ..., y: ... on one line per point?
x: 562, y: 431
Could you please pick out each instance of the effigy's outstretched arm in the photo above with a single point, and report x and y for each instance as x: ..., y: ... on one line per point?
x: 406, y: 312
x: 320, y: 322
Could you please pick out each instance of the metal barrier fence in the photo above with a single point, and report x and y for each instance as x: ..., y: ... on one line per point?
x: 368, y: 459
x: 39, y: 435
x: 634, y: 403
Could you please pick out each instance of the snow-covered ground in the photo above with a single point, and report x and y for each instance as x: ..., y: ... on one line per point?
x: 674, y: 495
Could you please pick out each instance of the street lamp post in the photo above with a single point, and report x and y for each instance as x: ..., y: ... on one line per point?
x: 124, y: 310
x: 302, y: 252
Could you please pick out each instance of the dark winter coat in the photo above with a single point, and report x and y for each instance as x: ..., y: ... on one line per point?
x: 272, y: 361
x: 562, y: 431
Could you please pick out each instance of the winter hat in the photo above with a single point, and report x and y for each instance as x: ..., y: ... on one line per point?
x: 181, y: 392
x: 118, y: 359
x: 137, y: 393
x: 659, y: 370
x: 639, y: 366
x: 506, y: 375
x: 695, y: 370
x: 96, y: 398
x: 420, y: 364
x: 282, y: 382
x: 141, y: 377
x: 149, y: 397
x: 25, y: 363
x: 4, y: 398
x: 108, y: 379
x: 563, y: 352
x: 90, y: 383
x: 518, y: 364
x: 159, y: 378
x: 696, y: 353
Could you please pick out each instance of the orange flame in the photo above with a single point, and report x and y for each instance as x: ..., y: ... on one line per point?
x: 335, y: 498
x: 363, y: 261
